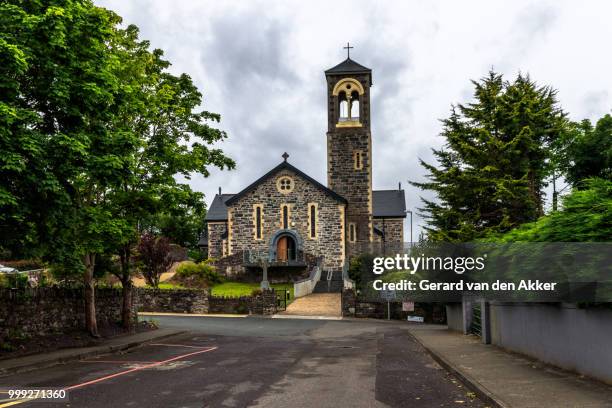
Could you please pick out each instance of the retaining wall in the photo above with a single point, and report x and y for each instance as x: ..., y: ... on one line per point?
x: 560, y: 334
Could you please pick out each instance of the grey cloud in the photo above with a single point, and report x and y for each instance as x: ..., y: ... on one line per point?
x: 260, y: 65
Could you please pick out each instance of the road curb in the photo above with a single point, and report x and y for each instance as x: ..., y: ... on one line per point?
x: 472, y: 383
x: 79, y: 355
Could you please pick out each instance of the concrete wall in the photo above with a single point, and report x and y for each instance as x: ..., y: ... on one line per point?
x: 454, y: 316
x: 560, y: 334
x: 305, y: 287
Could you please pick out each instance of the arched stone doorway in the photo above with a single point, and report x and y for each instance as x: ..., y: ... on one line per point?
x: 285, y: 249
x: 285, y: 246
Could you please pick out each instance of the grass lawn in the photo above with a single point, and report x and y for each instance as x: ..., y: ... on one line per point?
x: 167, y: 285
x: 237, y: 289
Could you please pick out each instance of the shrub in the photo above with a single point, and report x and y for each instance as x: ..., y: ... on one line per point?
x: 16, y: 280
x: 197, y: 255
x: 197, y: 274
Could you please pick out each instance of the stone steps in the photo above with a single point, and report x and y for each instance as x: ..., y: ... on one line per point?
x: 316, y: 304
x: 335, y: 285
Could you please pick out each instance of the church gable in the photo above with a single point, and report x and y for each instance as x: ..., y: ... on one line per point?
x: 286, y: 199
x: 285, y: 166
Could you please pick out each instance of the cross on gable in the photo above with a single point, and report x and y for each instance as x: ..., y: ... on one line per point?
x: 285, y: 156
x: 348, y: 50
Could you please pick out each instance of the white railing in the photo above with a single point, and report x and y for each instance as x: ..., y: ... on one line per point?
x: 306, y: 286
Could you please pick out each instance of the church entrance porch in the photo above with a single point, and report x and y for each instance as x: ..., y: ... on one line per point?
x: 286, y: 249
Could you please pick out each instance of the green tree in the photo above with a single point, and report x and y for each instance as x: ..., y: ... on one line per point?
x: 62, y: 156
x: 93, y: 133
x: 587, y: 152
x: 161, y: 112
x: 586, y: 216
x: 491, y: 171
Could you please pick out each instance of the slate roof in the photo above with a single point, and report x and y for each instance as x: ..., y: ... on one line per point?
x: 388, y: 204
x: 218, y: 209
x: 284, y: 166
x: 348, y: 66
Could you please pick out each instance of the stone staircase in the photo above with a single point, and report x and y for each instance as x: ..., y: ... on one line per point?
x: 316, y: 304
x: 335, y: 285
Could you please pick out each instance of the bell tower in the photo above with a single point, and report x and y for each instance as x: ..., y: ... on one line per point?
x: 349, y: 147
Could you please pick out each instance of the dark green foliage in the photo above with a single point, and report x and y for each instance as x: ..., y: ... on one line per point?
x: 490, y: 174
x: 586, y: 216
x: 360, y: 269
x: 197, y: 255
x: 587, y: 152
x: 93, y: 132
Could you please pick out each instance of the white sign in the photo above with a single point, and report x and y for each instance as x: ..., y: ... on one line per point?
x: 418, y: 319
x: 407, y: 306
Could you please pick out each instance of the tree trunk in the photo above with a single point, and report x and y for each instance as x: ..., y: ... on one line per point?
x: 126, y: 291
x: 127, y: 319
x: 91, y: 323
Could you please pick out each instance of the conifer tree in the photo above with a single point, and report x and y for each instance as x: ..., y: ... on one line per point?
x: 490, y: 174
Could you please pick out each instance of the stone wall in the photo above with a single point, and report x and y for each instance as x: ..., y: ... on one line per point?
x: 393, y: 228
x: 353, y: 306
x: 172, y: 300
x: 263, y: 303
x: 216, y: 231
x: 329, y: 240
x: 43, y: 311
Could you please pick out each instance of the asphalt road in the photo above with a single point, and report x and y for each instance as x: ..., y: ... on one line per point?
x: 239, y: 362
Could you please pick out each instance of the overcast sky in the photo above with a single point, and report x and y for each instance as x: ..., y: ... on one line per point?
x: 260, y: 65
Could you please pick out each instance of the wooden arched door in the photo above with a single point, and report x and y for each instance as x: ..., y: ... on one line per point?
x: 281, y: 249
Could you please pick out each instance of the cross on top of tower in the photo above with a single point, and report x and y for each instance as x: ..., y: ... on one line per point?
x: 285, y: 156
x: 348, y: 50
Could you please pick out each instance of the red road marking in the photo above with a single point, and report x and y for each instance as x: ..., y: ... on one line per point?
x: 108, y: 377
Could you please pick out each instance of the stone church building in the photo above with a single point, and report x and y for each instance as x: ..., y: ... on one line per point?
x: 286, y: 217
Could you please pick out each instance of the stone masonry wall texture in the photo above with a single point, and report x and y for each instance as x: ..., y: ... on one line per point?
x: 328, y: 242
x: 43, y: 311
x: 393, y: 229
x: 215, y: 240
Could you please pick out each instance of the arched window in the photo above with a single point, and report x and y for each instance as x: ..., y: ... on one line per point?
x: 355, y: 106
x: 344, y: 106
x: 285, y: 217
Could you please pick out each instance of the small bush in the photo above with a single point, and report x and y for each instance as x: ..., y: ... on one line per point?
x: 197, y: 274
x: 16, y: 280
x: 197, y: 255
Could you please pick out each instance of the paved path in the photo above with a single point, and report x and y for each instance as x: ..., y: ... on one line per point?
x: 316, y: 304
x: 512, y: 380
x: 226, y: 362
